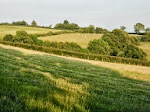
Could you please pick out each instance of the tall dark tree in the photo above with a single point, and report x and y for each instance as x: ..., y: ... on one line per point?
x: 66, y: 22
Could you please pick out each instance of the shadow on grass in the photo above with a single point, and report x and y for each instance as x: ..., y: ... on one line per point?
x: 46, y: 83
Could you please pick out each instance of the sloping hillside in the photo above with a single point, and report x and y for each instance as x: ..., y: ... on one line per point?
x: 79, y: 38
x: 5, y: 29
x: 146, y: 48
x: 35, y: 81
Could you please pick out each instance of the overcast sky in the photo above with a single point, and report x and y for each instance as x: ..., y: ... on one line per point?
x: 108, y: 14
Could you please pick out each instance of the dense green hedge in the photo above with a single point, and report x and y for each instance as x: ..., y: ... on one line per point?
x: 79, y: 54
x: 53, y: 33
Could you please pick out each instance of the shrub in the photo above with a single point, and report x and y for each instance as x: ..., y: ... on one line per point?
x: 99, y: 46
x: 8, y: 38
x: 60, y: 45
x: 134, y: 52
x: 23, y: 39
x: 21, y: 23
x: 21, y: 33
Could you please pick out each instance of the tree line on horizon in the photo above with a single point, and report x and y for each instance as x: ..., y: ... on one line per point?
x: 139, y: 28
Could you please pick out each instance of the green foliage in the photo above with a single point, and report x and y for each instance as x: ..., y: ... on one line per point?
x: 134, y: 40
x: 34, y: 24
x: 99, y: 46
x: 8, y: 38
x: 71, y: 46
x: 101, y: 30
x: 134, y: 52
x: 148, y: 30
x: 66, y: 22
x: 119, y: 43
x: 67, y: 25
x: 139, y: 27
x: 20, y: 23
x: 21, y: 33
x: 122, y: 28
x: 91, y: 29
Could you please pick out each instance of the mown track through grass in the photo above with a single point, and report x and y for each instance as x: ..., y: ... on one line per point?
x: 34, y: 82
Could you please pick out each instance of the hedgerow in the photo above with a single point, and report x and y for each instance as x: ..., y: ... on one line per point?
x: 89, y: 56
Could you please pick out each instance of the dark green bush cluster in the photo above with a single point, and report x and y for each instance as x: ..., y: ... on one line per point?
x: 117, y: 43
x: 71, y: 46
x: 76, y: 28
x: 92, y: 29
x: 23, y: 37
x: 20, y: 23
x: 66, y: 25
x: 101, y: 30
x: 131, y: 51
x: 113, y: 59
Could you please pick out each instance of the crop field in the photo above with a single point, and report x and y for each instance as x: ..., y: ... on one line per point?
x: 135, y: 35
x: 40, y: 82
x: 146, y: 48
x: 31, y: 30
x: 81, y: 39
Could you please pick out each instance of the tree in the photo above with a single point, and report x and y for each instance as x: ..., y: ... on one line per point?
x: 50, y: 26
x: 21, y: 33
x: 101, y: 30
x: 122, y: 28
x: 34, y: 24
x: 8, y: 38
x: 21, y: 23
x: 99, y: 46
x: 91, y: 29
x: 139, y: 27
x: 148, y: 30
x: 66, y: 22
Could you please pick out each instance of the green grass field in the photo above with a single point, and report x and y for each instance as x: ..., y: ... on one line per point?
x: 146, y: 48
x: 37, y: 82
x: 4, y: 29
x: 81, y: 39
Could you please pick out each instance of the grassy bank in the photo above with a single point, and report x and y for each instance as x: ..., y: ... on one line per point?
x: 34, y: 81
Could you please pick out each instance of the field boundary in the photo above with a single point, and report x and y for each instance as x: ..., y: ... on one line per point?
x: 88, y: 56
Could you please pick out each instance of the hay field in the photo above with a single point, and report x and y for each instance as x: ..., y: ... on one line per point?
x: 81, y: 39
x: 146, y: 48
x: 4, y: 29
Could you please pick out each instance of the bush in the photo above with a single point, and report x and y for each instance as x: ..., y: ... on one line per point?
x: 21, y: 33
x: 20, y: 23
x: 134, y: 52
x: 99, y: 46
x: 8, y: 38
x: 119, y: 43
x: 60, y: 45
